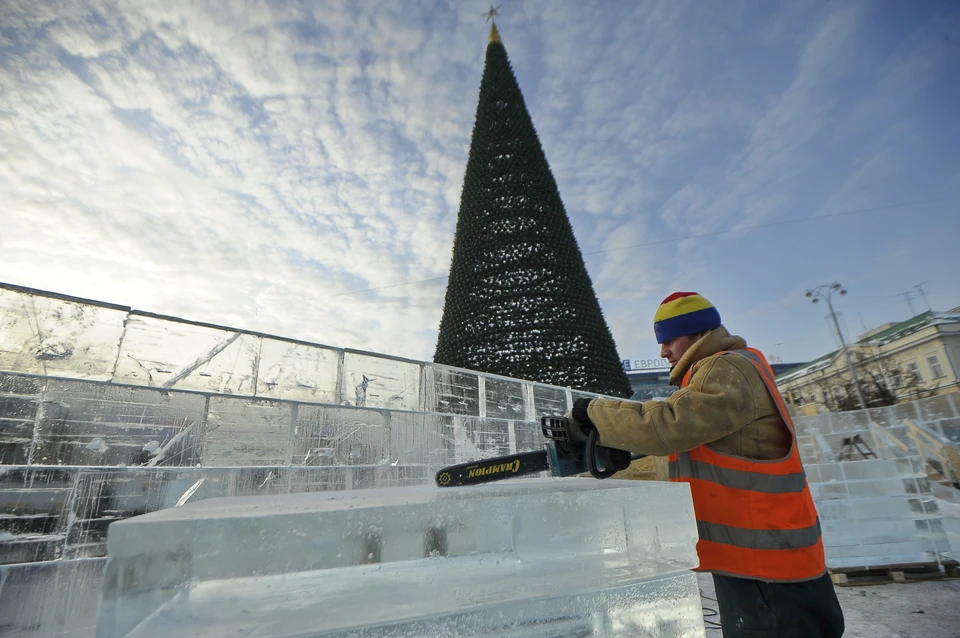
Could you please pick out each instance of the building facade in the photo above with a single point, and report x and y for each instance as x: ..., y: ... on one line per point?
x: 650, y: 384
x: 653, y: 384
x: 894, y: 363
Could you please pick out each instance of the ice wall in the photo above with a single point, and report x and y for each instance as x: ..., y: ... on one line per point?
x: 541, y: 557
x: 877, y: 512
x: 107, y: 412
x: 55, y: 598
x: 938, y: 414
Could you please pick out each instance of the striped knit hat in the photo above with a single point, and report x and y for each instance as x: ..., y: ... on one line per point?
x: 684, y: 313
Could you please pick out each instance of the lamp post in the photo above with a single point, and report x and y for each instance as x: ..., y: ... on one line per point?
x: 815, y: 296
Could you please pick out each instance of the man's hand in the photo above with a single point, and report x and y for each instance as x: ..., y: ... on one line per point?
x: 577, y: 431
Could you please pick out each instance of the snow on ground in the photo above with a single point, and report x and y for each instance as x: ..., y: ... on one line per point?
x: 910, y: 610
x: 925, y: 609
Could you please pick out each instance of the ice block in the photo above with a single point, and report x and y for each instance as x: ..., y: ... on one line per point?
x: 538, y: 557
x: 877, y: 512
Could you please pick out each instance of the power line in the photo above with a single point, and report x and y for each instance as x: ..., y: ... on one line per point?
x: 717, y: 233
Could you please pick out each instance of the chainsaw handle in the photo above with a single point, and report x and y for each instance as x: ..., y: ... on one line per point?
x: 612, y: 460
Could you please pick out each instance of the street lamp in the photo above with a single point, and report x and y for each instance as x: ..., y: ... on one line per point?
x: 825, y: 292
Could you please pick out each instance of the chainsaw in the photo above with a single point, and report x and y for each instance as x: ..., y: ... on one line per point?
x: 561, y: 456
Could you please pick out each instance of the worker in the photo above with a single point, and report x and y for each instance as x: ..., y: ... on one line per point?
x: 728, y: 435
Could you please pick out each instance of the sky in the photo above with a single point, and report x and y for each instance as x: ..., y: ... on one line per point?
x: 295, y: 168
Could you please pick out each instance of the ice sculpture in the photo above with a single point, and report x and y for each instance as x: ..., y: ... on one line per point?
x: 110, y: 412
x: 535, y: 557
x: 877, y: 512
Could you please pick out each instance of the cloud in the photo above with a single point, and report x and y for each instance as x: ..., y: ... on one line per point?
x: 256, y: 163
x: 210, y: 159
x: 753, y: 184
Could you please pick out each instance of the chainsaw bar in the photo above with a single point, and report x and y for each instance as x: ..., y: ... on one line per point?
x: 495, y: 469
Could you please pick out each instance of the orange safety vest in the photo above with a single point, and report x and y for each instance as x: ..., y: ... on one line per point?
x: 756, y: 519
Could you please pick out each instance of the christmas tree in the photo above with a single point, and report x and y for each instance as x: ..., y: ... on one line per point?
x: 519, y: 301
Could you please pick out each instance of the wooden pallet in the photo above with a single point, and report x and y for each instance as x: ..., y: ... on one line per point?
x: 883, y: 574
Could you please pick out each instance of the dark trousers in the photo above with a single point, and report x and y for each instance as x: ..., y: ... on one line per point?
x: 754, y: 608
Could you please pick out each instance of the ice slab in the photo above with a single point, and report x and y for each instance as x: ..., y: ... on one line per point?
x: 539, y: 557
x: 52, y: 599
x: 51, y: 513
x: 948, y: 502
x: 939, y: 414
x: 877, y: 512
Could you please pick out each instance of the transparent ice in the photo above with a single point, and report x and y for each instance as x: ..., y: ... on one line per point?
x: 540, y: 557
x: 876, y: 511
x: 109, y: 413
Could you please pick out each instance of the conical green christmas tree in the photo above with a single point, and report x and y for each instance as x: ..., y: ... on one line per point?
x: 519, y: 301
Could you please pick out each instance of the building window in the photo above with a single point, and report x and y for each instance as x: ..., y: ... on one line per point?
x: 935, y: 368
x: 913, y: 371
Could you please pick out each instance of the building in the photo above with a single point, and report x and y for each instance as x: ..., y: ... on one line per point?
x: 654, y: 383
x: 650, y: 384
x: 895, y: 362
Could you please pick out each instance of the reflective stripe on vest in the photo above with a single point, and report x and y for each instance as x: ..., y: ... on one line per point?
x: 739, y: 479
x: 756, y: 519
x: 759, y: 539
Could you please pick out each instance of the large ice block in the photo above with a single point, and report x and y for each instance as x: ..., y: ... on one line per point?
x: 538, y: 557
x: 877, y: 512
x: 948, y: 502
x: 50, y: 599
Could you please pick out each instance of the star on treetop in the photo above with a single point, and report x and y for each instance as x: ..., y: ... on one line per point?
x: 492, y: 13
